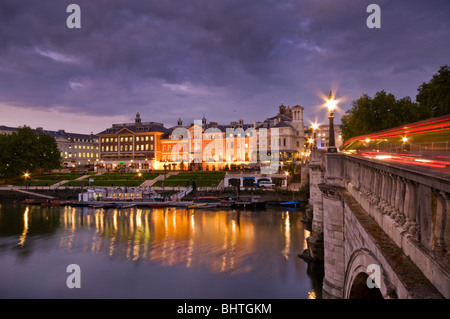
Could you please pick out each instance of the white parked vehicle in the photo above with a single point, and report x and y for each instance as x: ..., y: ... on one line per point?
x: 266, y: 184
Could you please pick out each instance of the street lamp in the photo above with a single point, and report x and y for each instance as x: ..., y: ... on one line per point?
x: 311, y: 142
x: 315, y: 126
x: 26, y: 175
x: 331, y: 104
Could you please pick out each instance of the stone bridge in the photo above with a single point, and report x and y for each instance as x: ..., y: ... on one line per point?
x: 379, y: 223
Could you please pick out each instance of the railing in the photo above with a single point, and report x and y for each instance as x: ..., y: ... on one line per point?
x: 417, y: 202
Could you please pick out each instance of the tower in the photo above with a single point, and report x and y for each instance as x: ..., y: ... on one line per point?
x: 137, y: 120
x: 204, y: 121
x: 297, y: 124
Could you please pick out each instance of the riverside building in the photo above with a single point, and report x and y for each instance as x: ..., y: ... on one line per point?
x: 203, y: 145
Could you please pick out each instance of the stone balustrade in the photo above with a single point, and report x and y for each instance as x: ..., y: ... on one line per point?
x: 417, y: 203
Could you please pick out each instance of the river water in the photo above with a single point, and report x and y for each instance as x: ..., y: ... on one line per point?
x: 165, y: 253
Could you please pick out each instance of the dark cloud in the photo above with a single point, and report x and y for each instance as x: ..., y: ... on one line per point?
x: 228, y: 59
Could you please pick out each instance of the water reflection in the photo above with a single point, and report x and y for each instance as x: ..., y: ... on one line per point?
x: 25, y: 228
x: 228, y: 242
x: 222, y: 240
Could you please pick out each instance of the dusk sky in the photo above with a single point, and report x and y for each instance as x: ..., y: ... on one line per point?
x: 227, y: 59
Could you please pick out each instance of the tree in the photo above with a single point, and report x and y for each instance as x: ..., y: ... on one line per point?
x: 24, y: 149
x: 435, y: 95
x: 48, y: 156
x: 25, y: 152
x: 384, y: 111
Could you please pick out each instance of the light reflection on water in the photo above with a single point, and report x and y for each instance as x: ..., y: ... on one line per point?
x: 241, y: 254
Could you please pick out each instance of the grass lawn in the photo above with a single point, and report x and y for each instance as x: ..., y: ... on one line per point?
x: 202, y: 179
x: 40, y: 182
x: 105, y: 183
x: 114, y: 179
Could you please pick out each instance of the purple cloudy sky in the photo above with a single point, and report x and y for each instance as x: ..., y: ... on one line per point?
x: 227, y: 59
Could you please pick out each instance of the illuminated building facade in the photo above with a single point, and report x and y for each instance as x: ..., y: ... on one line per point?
x: 131, y: 145
x: 203, y: 145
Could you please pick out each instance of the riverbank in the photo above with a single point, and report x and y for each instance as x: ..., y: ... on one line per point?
x: 72, y: 193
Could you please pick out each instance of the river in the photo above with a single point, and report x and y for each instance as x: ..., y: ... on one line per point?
x: 168, y: 253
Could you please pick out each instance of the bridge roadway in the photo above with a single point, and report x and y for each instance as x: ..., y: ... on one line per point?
x: 382, y: 223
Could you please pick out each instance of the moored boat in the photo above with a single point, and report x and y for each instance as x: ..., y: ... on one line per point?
x: 158, y: 204
x: 250, y: 205
x: 33, y: 201
x: 49, y: 203
x: 291, y: 204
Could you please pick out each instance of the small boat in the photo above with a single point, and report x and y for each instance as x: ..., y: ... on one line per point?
x: 103, y: 205
x: 213, y: 201
x: 32, y: 201
x: 158, y: 204
x: 250, y: 205
x: 196, y: 205
x: 206, y: 199
x: 291, y: 204
x: 48, y: 203
x: 80, y: 204
x: 123, y: 205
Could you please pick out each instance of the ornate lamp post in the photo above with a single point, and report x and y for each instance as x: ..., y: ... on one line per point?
x: 331, y: 104
x: 315, y: 126
x: 26, y: 176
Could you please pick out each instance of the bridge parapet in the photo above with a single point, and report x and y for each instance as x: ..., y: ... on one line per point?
x: 410, y: 210
x: 416, y: 204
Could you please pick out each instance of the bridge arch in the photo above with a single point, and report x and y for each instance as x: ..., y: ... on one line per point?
x: 355, y: 283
